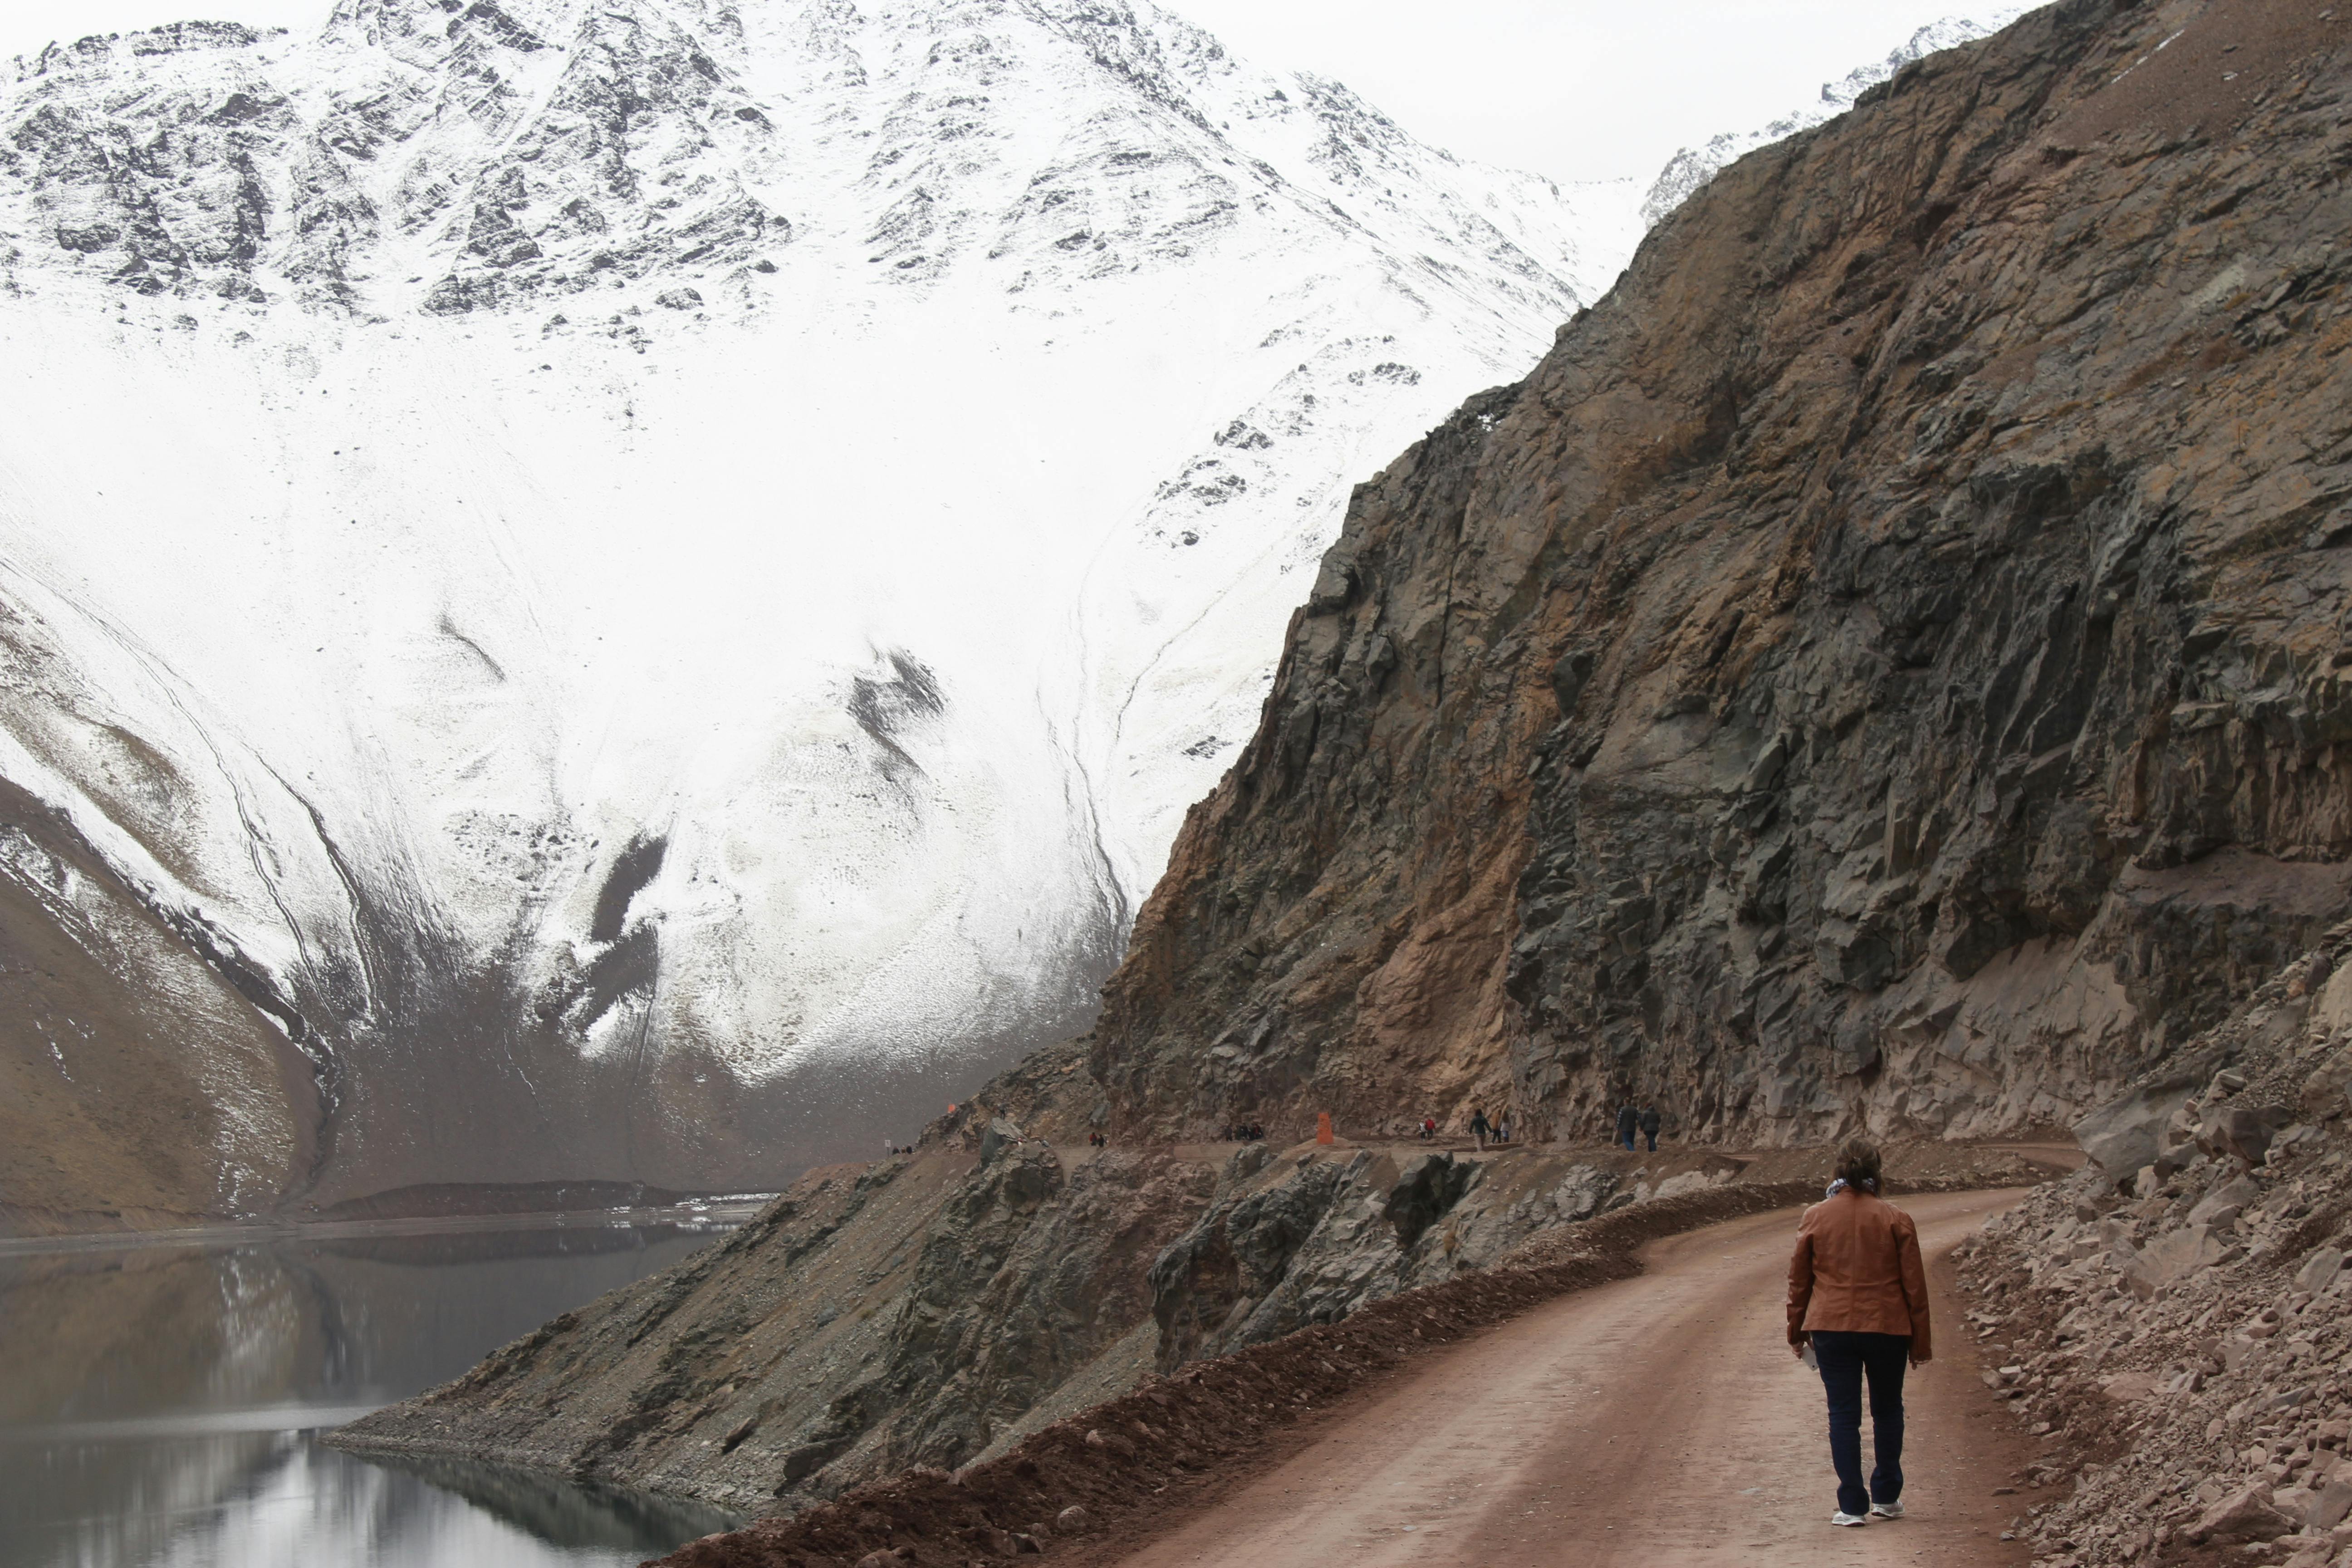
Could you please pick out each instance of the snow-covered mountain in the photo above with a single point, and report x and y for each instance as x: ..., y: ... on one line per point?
x: 1692, y: 167
x: 647, y: 582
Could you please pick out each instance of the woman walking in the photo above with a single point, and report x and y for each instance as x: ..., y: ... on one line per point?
x: 1858, y: 1297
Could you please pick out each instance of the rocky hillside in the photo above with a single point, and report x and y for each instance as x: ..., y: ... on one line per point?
x: 1882, y: 669
x: 933, y: 1309
x: 2171, y: 1324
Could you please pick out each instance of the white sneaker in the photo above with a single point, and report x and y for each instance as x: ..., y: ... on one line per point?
x: 1842, y: 1517
x: 1886, y: 1510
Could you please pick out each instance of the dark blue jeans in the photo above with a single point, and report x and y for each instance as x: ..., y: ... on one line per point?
x: 1846, y: 1359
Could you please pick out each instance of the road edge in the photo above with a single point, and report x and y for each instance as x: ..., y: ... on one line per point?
x: 1210, y: 1424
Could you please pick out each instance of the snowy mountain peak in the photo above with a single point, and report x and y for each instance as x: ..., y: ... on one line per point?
x: 1693, y: 167
x: 425, y: 153
x: 654, y: 578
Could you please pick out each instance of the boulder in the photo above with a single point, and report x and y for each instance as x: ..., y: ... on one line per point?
x: 2244, y: 1515
x: 2327, y: 1092
x: 2242, y: 1132
x: 2230, y: 1198
x: 2319, y: 1270
x: 2328, y: 1508
x: 996, y: 1137
x: 2176, y: 1255
x: 1074, y: 1520
x: 2127, y: 1133
x: 2127, y: 1387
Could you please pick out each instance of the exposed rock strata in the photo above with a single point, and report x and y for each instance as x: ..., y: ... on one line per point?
x: 1881, y: 668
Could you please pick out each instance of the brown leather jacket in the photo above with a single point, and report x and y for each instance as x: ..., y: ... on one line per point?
x: 1857, y: 1267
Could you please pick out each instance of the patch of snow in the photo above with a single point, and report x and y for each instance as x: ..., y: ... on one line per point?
x: 701, y: 529
x: 1693, y: 167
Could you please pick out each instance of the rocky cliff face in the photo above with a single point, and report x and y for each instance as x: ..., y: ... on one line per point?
x: 1882, y: 669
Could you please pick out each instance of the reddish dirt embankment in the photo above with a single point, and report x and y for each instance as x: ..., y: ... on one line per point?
x: 1183, y: 1453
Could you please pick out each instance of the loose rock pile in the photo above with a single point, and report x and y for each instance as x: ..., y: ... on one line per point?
x: 2178, y: 1334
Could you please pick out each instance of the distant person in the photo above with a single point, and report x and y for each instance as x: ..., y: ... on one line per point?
x: 1428, y: 1128
x: 1629, y: 1122
x: 1650, y: 1124
x: 1503, y: 1128
x: 1858, y: 1298
x: 1478, y: 1126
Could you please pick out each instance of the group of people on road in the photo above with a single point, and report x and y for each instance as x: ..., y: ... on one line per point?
x: 1633, y: 1123
x: 1487, y: 1131
x: 1644, y: 1121
x: 1496, y: 1131
x: 1098, y: 1140
x: 1243, y: 1132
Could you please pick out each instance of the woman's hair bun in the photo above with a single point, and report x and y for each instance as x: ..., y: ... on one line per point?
x: 1858, y: 1162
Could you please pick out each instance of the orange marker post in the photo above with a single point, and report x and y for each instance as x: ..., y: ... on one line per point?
x: 1322, y: 1127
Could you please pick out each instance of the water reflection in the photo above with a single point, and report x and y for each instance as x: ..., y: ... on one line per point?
x: 158, y: 1406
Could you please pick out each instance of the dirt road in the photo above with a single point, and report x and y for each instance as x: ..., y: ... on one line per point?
x: 1660, y: 1421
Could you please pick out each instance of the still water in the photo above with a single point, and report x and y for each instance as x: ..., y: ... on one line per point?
x: 160, y: 1405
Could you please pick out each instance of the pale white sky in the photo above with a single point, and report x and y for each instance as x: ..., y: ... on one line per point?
x: 1578, y: 90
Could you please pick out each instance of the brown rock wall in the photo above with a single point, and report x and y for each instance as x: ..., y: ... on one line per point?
x: 1880, y: 669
